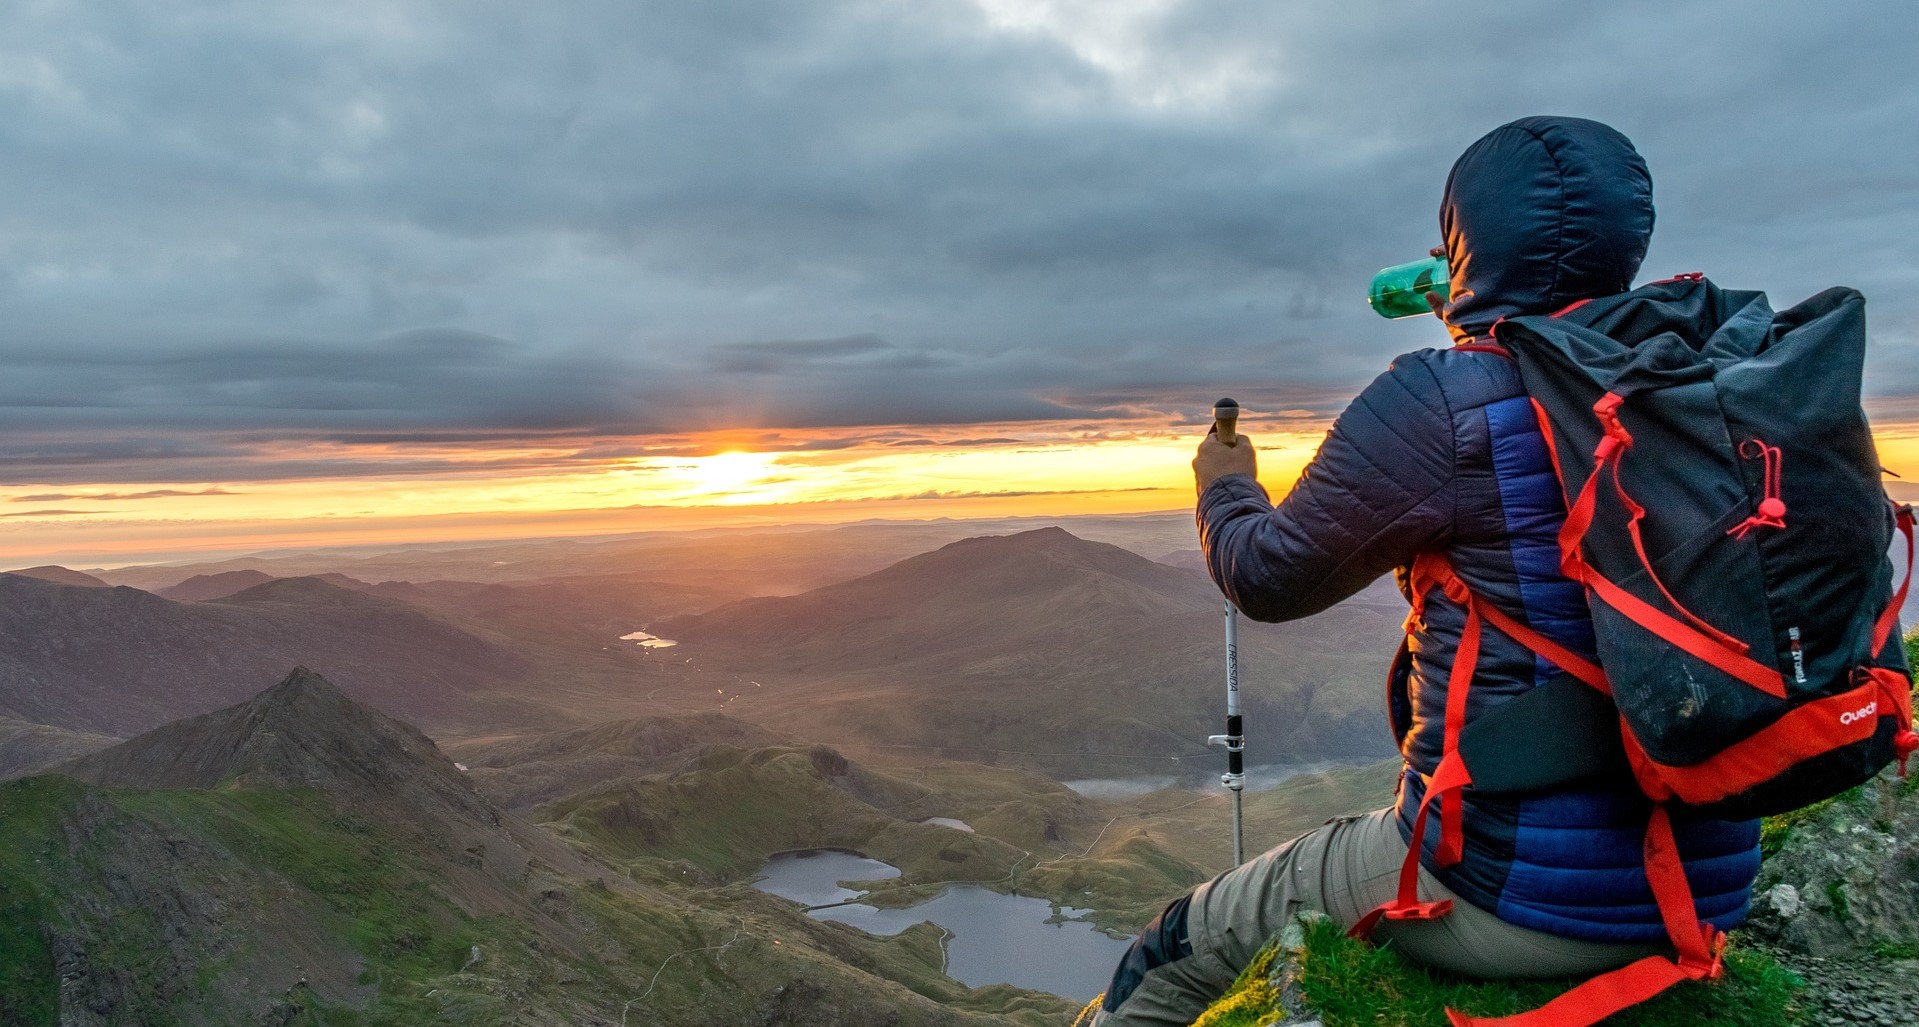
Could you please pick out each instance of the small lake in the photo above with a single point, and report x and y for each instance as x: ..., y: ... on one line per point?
x: 995, y: 939
x: 647, y: 641
x: 812, y: 878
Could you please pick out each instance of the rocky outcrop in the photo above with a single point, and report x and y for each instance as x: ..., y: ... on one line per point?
x: 163, y: 908
x: 1839, y: 900
x: 1845, y: 879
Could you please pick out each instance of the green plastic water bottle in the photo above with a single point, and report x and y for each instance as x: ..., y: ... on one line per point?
x: 1400, y: 290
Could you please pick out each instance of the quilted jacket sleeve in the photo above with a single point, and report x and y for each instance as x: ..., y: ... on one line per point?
x: 1378, y: 492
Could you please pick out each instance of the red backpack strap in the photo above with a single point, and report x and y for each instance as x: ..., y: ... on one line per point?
x: 1699, y: 947
x: 1451, y: 777
x: 1898, y: 696
x: 1889, y: 617
x: 1698, y: 638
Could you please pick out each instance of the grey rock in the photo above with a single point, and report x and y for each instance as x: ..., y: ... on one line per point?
x: 1784, y: 900
x: 1847, y: 878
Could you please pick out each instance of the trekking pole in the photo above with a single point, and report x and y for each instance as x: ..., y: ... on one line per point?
x: 1225, y: 424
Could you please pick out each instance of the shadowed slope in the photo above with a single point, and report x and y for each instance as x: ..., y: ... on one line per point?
x: 120, y: 660
x: 525, y: 770
x: 31, y: 748
x: 61, y: 576
x: 214, y: 586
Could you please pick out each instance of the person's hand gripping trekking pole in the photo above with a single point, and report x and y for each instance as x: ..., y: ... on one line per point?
x: 1224, y: 451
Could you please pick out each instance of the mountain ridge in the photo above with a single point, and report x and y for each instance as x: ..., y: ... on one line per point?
x: 213, y: 586
x: 61, y: 575
x: 1043, y: 642
x: 120, y: 660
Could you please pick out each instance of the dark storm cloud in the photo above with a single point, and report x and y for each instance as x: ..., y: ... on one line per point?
x: 410, y: 222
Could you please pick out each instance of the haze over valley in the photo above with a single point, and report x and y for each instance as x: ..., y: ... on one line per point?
x: 885, y: 686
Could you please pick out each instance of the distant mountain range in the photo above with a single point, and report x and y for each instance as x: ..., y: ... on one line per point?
x: 1042, y: 642
x: 1078, y: 657
x: 117, y: 661
x: 773, y: 560
x: 202, y: 587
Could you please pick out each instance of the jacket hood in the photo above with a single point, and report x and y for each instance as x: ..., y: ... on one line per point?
x: 1539, y: 213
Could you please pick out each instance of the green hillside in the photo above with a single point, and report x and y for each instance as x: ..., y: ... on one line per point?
x: 386, y: 894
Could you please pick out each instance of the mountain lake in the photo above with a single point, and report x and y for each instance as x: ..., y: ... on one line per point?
x: 994, y: 938
x: 647, y: 641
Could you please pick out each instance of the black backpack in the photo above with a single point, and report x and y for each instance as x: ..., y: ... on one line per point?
x: 1726, y: 515
x: 1726, y: 512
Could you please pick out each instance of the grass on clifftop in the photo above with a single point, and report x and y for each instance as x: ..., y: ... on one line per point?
x: 1350, y: 983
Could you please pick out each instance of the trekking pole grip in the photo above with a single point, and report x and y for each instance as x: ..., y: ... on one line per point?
x: 1226, y: 422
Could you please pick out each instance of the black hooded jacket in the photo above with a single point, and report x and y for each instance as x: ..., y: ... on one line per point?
x: 1443, y: 454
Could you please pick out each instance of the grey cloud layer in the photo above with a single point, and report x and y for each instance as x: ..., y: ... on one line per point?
x: 403, y: 220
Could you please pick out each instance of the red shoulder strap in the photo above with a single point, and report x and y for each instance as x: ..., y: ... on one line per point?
x: 1452, y: 777
x: 1698, y: 945
x: 1889, y: 617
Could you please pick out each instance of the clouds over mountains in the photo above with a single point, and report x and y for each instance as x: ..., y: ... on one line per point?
x: 277, y: 225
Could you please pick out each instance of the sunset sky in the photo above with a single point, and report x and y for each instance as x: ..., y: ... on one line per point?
x: 278, y: 275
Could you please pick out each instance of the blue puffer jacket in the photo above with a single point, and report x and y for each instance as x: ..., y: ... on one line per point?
x: 1442, y: 453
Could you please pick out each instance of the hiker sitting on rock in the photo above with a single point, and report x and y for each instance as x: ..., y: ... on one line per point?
x: 1443, y: 455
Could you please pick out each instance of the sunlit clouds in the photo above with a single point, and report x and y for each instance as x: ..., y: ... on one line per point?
x: 1010, y: 470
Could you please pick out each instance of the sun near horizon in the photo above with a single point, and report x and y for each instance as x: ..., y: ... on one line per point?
x: 710, y: 480
x: 718, y: 479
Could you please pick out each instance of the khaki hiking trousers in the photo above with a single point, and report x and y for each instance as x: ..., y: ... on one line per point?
x: 1344, y: 870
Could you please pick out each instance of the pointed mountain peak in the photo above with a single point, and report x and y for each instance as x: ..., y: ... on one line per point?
x: 301, y: 733
x: 1052, y: 544
x: 302, y: 689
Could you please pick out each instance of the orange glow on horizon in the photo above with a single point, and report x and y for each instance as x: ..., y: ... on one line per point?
x: 722, y: 479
